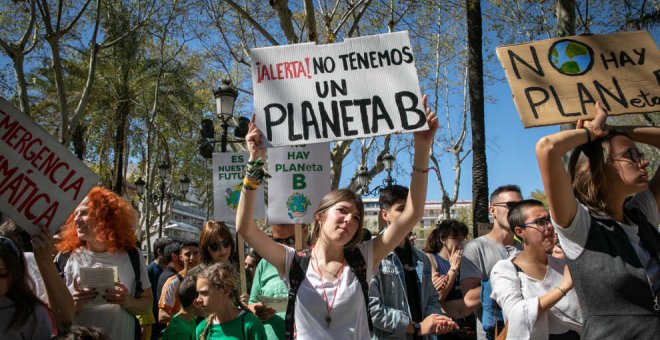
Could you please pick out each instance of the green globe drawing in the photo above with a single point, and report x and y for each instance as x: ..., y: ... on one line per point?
x: 571, y: 57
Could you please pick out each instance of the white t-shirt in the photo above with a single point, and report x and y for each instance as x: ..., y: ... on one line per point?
x: 36, y: 281
x: 349, y: 312
x: 574, y: 238
x: 114, y: 321
x: 518, y: 295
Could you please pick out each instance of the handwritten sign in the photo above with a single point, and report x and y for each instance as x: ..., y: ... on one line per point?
x: 301, y: 177
x: 308, y: 93
x: 560, y: 80
x: 41, y: 182
x: 228, y: 173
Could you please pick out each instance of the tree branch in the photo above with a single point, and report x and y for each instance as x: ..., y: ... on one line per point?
x: 253, y: 22
x: 310, y: 20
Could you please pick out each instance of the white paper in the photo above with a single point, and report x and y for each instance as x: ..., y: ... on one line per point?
x: 101, y: 279
x: 278, y: 303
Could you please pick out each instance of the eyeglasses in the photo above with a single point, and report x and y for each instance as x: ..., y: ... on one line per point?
x: 631, y: 155
x: 289, y: 241
x: 507, y: 205
x: 223, y: 244
x: 542, y: 224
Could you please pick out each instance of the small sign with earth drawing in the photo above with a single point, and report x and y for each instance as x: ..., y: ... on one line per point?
x: 560, y: 80
x: 301, y: 177
x: 228, y: 173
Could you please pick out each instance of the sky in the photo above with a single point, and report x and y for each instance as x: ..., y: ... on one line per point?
x: 510, y: 148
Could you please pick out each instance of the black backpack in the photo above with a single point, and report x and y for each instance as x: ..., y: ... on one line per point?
x: 297, y: 272
x: 134, y: 255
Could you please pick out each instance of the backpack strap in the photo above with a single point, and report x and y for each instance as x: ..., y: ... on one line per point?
x: 60, y: 262
x: 297, y: 272
x: 358, y: 266
x: 135, y: 257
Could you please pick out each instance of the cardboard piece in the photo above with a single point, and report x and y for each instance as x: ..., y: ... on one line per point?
x: 41, y: 182
x: 228, y: 173
x: 300, y: 179
x: 308, y: 93
x: 560, y: 80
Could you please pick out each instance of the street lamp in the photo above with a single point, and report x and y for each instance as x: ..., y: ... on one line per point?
x: 363, y: 177
x: 225, y: 98
x: 164, y: 194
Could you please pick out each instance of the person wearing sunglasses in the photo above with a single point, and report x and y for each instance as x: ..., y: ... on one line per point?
x: 267, y: 283
x: 534, y: 289
x: 216, y: 244
x: 481, y: 254
x: 605, y: 210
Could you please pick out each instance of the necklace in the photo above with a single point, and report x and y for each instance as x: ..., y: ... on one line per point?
x: 328, y: 307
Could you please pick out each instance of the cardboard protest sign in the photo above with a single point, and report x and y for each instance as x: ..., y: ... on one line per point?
x: 228, y: 173
x: 301, y: 177
x: 41, y: 182
x: 560, y: 80
x: 308, y: 93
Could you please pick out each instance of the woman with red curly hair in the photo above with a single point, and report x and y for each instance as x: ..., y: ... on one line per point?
x: 100, y: 233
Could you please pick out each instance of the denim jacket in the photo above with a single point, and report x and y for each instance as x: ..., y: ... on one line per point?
x: 388, y: 301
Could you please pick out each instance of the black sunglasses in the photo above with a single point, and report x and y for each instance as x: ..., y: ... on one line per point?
x: 223, y: 244
x: 289, y: 241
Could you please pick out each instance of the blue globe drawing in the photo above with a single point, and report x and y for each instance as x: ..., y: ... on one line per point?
x: 571, y: 57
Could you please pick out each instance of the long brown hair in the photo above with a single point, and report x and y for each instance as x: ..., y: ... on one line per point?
x: 19, y: 291
x: 329, y: 200
x: 211, y: 230
x: 221, y: 276
x: 587, y: 168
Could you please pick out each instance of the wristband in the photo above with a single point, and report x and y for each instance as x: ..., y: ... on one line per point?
x: 247, y: 184
x: 588, y: 135
x: 563, y: 292
x: 420, y: 169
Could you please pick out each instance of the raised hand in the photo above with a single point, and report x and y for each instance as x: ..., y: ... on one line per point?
x: 254, y: 141
x: 427, y: 136
x: 597, y: 126
x: 455, y: 258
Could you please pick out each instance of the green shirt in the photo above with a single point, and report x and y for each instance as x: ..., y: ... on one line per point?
x: 245, y: 326
x: 267, y: 282
x: 179, y: 328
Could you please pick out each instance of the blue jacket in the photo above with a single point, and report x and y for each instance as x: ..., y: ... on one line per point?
x: 388, y: 301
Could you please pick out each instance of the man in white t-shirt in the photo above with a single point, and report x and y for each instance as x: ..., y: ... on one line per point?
x: 481, y: 254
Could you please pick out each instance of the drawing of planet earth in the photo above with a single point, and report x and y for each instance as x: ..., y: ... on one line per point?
x: 571, y: 57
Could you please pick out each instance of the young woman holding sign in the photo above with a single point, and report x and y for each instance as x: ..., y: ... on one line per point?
x: 611, y: 243
x: 330, y: 301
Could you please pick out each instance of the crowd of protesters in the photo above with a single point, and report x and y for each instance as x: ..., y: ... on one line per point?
x: 598, y: 276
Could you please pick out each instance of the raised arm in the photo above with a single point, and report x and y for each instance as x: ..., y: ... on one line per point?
x: 270, y: 250
x: 414, y: 210
x: 556, y: 180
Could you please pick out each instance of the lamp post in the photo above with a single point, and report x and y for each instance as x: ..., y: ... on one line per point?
x: 363, y: 177
x: 163, y: 172
x: 225, y: 98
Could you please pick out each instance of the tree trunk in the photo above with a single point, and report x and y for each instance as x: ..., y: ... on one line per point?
x: 565, y: 12
x: 56, y: 61
x: 21, y: 83
x: 476, y: 93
